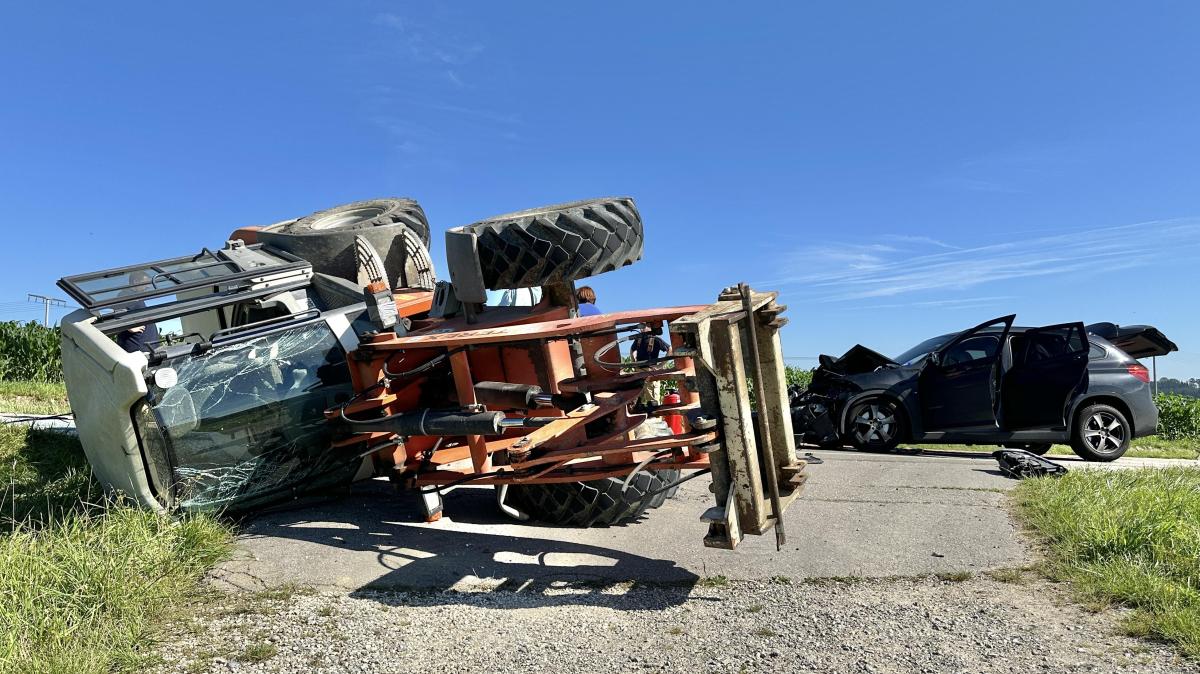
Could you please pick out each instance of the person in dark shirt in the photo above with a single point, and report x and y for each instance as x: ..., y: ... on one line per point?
x: 586, y: 297
x: 648, y: 346
x: 139, y: 337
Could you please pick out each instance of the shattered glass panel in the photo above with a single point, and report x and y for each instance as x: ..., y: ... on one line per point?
x: 244, y: 423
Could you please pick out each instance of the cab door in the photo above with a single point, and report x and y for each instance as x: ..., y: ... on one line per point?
x: 960, y: 385
x: 1049, y: 365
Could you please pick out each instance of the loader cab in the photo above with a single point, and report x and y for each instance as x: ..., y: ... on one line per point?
x: 225, y: 409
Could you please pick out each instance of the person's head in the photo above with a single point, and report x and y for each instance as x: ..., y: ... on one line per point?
x: 646, y: 328
x: 139, y: 279
x: 585, y: 295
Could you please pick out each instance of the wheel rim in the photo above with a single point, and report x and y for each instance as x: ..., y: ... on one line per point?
x: 875, y: 423
x: 348, y: 217
x: 1103, y: 433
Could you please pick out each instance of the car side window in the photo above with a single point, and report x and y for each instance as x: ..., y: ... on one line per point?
x: 1046, y: 344
x: 1097, y: 352
x: 980, y: 347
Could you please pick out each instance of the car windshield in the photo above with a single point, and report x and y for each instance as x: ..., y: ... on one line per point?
x: 920, y: 351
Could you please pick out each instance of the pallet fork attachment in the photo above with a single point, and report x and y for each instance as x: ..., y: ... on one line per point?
x: 755, y: 473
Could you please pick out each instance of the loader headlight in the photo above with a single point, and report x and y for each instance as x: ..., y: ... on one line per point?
x: 166, y: 377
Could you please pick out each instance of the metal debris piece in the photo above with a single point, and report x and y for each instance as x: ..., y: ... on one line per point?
x: 1020, y: 464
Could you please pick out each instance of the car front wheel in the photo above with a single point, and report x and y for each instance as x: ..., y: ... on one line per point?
x: 875, y: 425
x: 1101, y: 433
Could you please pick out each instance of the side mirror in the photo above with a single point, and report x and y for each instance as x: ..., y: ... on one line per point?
x: 935, y: 359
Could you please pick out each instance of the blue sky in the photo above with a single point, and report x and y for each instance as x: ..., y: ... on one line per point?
x: 896, y: 171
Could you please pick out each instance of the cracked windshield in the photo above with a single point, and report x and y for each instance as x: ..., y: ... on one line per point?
x: 245, y: 420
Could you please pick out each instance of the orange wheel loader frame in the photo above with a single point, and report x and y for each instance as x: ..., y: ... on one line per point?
x: 585, y: 425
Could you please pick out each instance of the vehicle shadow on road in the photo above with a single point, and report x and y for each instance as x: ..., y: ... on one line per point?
x: 376, y: 540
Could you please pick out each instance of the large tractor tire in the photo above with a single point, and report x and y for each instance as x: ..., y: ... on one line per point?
x: 564, y: 242
x: 396, y: 227
x: 594, y: 503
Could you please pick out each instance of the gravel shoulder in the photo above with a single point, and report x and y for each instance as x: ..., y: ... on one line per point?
x: 893, y: 564
x: 876, y: 626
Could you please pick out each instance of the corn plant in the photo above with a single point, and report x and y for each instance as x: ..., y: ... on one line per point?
x: 29, y: 352
x: 1178, y: 417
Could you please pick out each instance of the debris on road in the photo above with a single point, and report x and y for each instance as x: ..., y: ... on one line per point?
x: 1020, y: 464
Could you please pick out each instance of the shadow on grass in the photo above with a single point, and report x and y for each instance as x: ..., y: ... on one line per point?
x: 43, y: 476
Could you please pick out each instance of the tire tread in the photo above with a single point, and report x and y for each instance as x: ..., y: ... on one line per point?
x: 565, y: 242
x: 595, y: 502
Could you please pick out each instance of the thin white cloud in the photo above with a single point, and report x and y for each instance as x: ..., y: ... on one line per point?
x: 906, y: 238
x: 948, y: 304
x: 833, y: 272
x: 424, y: 44
x: 485, y: 115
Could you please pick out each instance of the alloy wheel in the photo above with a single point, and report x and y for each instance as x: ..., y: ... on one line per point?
x: 875, y: 424
x: 1103, y: 432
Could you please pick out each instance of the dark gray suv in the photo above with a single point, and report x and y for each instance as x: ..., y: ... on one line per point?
x: 993, y: 384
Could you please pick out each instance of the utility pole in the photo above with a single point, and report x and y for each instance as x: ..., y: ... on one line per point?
x: 47, y: 302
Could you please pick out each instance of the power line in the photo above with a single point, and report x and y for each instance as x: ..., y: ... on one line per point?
x: 47, y: 302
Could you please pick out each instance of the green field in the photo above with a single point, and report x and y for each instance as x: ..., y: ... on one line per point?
x: 85, y: 582
x: 1128, y: 538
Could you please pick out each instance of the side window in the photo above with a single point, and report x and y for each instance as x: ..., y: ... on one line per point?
x: 980, y: 347
x: 1054, y: 342
x: 1097, y: 352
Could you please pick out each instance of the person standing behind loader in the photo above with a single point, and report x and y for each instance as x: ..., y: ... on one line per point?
x: 586, y: 297
x: 645, y: 350
x: 138, y: 337
x: 648, y: 347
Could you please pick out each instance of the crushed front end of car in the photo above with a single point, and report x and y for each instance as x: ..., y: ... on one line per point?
x: 817, y: 409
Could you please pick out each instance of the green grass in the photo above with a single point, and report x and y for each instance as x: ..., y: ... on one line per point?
x: 259, y: 652
x: 1129, y: 538
x: 43, y: 476
x: 1150, y: 447
x: 955, y: 576
x: 85, y: 583
x: 33, y: 397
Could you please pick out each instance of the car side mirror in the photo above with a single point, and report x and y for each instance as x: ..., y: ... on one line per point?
x: 935, y: 358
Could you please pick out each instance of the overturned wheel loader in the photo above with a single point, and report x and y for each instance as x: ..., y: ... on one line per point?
x: 314, y: 352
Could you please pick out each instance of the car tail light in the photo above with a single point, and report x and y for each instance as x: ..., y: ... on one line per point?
x: 1140, y: 372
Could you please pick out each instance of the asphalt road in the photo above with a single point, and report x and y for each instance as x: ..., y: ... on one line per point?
x: 861, y: 515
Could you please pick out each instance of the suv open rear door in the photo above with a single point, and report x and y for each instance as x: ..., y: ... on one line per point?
x: 1048, y: 366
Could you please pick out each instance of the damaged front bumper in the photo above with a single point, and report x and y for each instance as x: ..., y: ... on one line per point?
x: 816, y: 410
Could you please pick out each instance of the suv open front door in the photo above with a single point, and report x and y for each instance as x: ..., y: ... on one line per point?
x: 959, y: 386
x: 1048, y: 366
